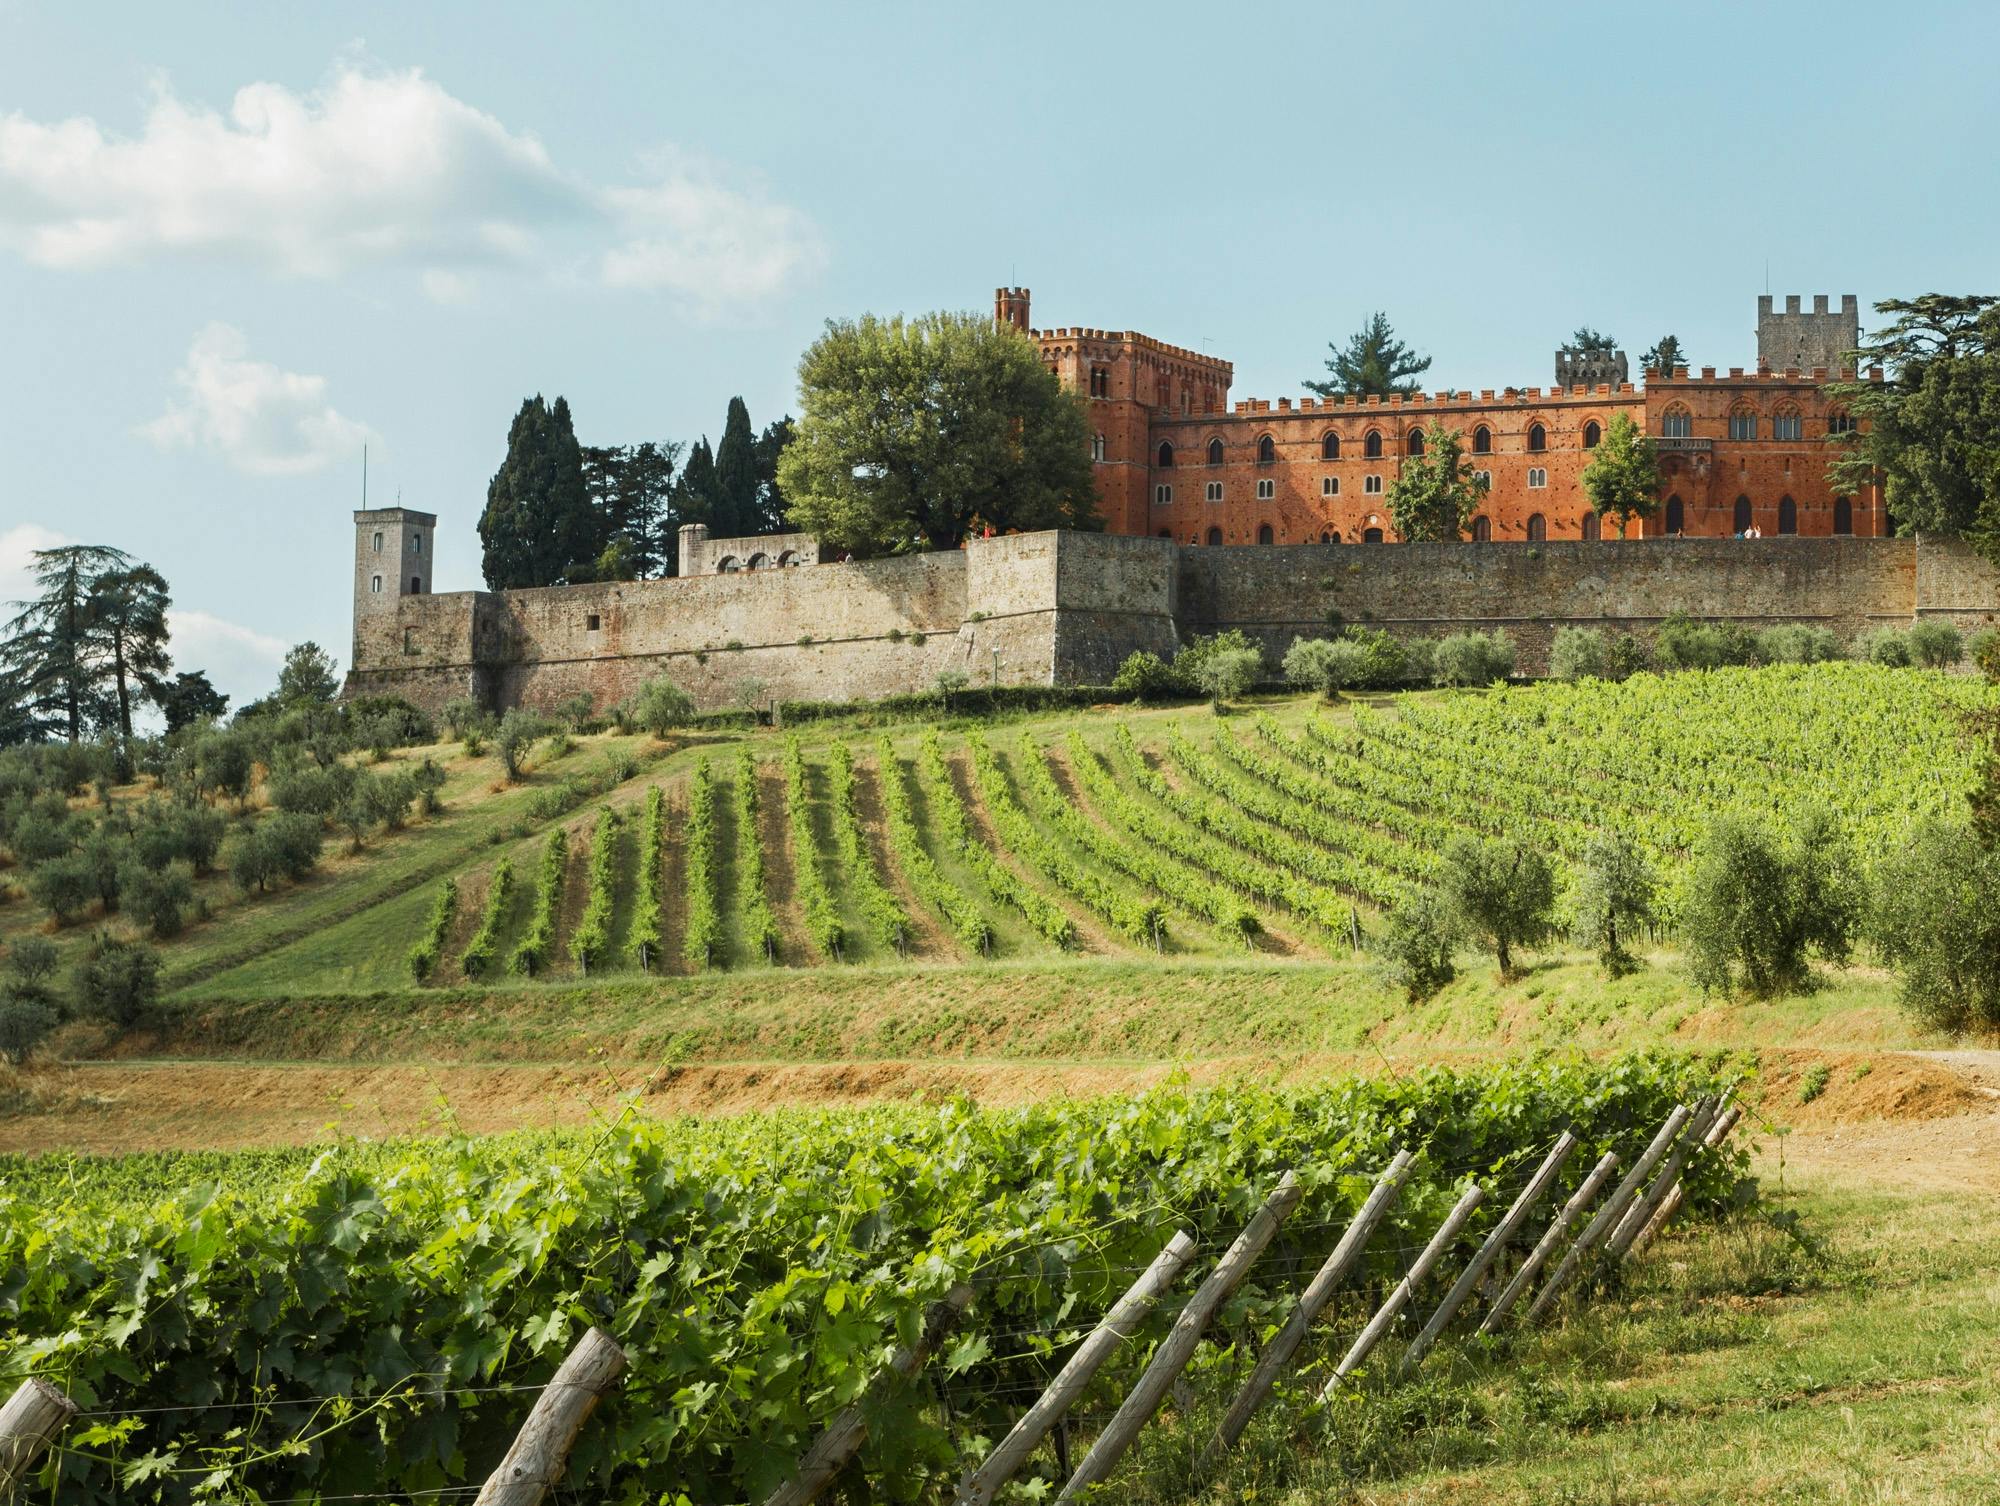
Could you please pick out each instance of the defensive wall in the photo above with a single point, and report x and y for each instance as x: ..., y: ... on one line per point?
x: 1066, y: 608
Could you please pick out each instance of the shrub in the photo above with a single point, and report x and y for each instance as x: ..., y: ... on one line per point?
x: 118, y: 981
x: 1147, y: 677
x: 319, y: 791
x: 1936, y: 645
x: 387, y: 721
x: 659, y: 706
x: 1795, y: 643
x: 1226, y: 675
x: 1328, y: 665
x: 1614, y: 899
x: 24, y: 1024
x: 1386, y: 663
x: 950, y: 682
x: 1503, y: 894
x: 63, y: 886
x: 1188, y: 661
x: 1934, y: 919
x: 1885, y: 646
x: 160, y: 898
x: 1417, y: 945
x: 1984, y: 648
x: 1578, y: 654
x: 1474, y: 658
x: 1419, y: 660
x: 463, y: 717
x: 426, y: 779
x: 1814, y: 1082
x: 1626, y: 657
x: 577, y: 711
x: 1757, y: 906
x: 1683, y: 643
x: 518, y: 732
x: 31, y: 966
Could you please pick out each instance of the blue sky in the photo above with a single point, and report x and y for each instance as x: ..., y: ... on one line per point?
x: 238, y: 242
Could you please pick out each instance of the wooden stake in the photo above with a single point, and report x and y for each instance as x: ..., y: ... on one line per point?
x: 1671, y: 1204
x: 33, y: 1417
x: 1502, y: 1235
x: 1118, y: 1325
x: 1277, y: 1355
x: 1551, y: 1237
x: 541, y: 1448
x: 1644, y: 1206
x: 1179, y: 1345
x: 1608, y: 1216
x: 844, y: 1436
x: 1405, y: 1289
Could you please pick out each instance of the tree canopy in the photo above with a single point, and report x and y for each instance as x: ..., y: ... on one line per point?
x: 1665, y: 355
x: 1623, y: 479
x: 920, y: 433
x: 1593, y: 341
x: 736, y: 512
x: 539, y: 523
x: 1373, y: 362
x: 1931, y: 430
x: 1436, y: 493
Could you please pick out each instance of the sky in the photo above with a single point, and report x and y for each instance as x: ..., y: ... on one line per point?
x: 240, y: 243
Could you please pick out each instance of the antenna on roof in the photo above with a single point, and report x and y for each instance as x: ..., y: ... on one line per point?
x: 364, y: 478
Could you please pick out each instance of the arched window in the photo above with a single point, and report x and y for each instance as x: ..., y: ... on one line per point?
x: 1482, y: 440
x: 1741, y: 520
x: 787, y: 559
x: 1215, y: 535
x: 416, y: 585
x: 1676, y: 515
x: 1788, y: 515
x: 1678, y: 424
x: 758, y: 561
x: 416, y: 543
x: 1742, y: 422
x: 378, y: 541
x: 1329, y: 447
x: 1592, y: 432
x: 1787, y: 424
x: 1325, y: 537
x: 1264, y: 534
x: 1371, y: 535
x: 1591, y: 528
x: 1336, y: 537
x: 1215, y: 452
x: 1482, y: 530
x: 1538, y: 437
x: 1843, y: 515
x: 1100, y: 381
x: 1166, y: 455
x: 1840, y: 421
x: 728, y: 565
x: 1538, y: 528
x: 1414, y: 445
x: 1371, y: 445
x: 1267, y: 449
x: 1097, y: 447
x: 375, y: 584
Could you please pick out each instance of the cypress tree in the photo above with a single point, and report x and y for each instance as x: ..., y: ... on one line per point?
x: 736, y: 475
x: 770, y: 496
x: 539, y: 521
x: 695, y: 495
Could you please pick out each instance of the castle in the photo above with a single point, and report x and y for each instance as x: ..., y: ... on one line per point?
x: 755, y: 621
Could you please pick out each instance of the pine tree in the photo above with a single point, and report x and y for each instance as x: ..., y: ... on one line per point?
x: 1665, y: 355
x: 539, y: 520
x: 54, y: 652
x: 646, y: 499
x: 736, y: 475
x: 695, y: 494
x: 1591, y: 341
x: 129, y: 614
x: 1372, y: 363
x: 771, y: 506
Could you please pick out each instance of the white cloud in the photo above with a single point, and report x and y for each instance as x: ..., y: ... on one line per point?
x: 263, y: 421
x: 377, y: 167
x: 17, y: 547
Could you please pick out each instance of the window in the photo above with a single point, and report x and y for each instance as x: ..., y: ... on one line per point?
x: 1788, y: 515
x: 1840, y: 423
x: 1264, y: 533
x: 1679, y: 423
x: 1371, y: 445
x: 1788, y: 426
x: 1166, y: 533
x: 1482, y: 440
x: 1538, y: 528
x: 787, y: 559
x: 1371, y: 535
x: 1843, y: 515
x: 1676, y: 515
x: 1215, y: 535
x: 1742, y: 424
x: 1187, y: 402
x: 1537, y: 477
x: 1329, y: 447
x: 416, y: 543
x: 1215, y: 452
x: 592, y: 623
x: 1741, y: 520
x: 378, y: 541
x: 1414, y: 445
x: 1326, y: 537
x: 1591, y: 434
x: 1162, y: 495
x: 759, y: 561
x: 1372, y: 485
x: 1329, y: 486
x: 728, y: 565
x: 1215, y: 491
x: 375, y: 584
x: 1100, y: 381
x: 1266, y: 489
x: 1482, y: 530
x: 1591, y: 529
x: 1166, y: 457
x: 1484, y: 479
x: 1097, y: 447
x: 1267, y: 450
x: 1538, y: 437
x: 409, y: 640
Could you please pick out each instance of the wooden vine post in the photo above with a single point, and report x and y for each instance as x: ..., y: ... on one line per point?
x: 1608, y: 1216
x: 1378, y: 1325
x: 1502, y: 1235
x: 1670, y: 1205
x: 541, y: 1448
x: 1117, y: 1326
x: 33, y: 1418
x: 1551, y: 1237
x: 1179, y: 1345
x: 1645, y: 1206
x: 844, y: 1436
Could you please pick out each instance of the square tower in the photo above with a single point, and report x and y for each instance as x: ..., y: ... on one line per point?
x: 392, y: 559
x: 1797, y: 340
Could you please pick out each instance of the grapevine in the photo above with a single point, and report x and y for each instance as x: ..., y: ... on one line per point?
x: 823, y: 923
x: 704, y: 922
x: 968, y: 923
x: 948, y: 810
x: 479, y: 950
x: 644, y: 941
x: 535, y: 945
x: 885, y: 916
x: 430, y: 946
x: 760, y: 923
x: 593, y: 930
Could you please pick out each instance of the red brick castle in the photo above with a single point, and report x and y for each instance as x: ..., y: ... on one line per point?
x: 1741, y: 451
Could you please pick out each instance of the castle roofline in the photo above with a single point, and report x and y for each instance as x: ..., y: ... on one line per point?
x: 1133, y: 337
x: 394, y: 515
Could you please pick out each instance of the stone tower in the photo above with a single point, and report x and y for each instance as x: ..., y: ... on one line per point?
x: 392, y: 559
x: 1795, y: 341
x: 1010, y: 307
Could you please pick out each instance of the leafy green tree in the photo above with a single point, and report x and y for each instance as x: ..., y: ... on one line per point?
x: 31, y: 966
x: 1503, y: 893
x: 1592, y: 342
x: 188, y: 698
x: 54, y: 647
x: 1372, y: 363
x: 1434, y: 496
x: 1615, y: 897
x: 1931, y: 431
x: 308, y: 678
x: 1623, y: 478
x: 1758, y: 906
x: 1934, y: 920
x: 1224, y: 676
x: 1665, y: 355
x: 920, y: 433
x: 736, y: 511
x: 659, y: 706
x: 1418, y: 944
x: 539, y: 521
x: 117, y: 980
x: 128, y: 608
x: 24, y: 1025
x: 1328, y: 665
x: 519, y: 730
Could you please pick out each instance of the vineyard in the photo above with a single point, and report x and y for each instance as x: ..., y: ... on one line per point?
x: 1275, y: 831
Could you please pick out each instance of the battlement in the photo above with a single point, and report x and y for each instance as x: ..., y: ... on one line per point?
x: 1136, y: 341
x: 1849, y: 303
x: 1800, y: 340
